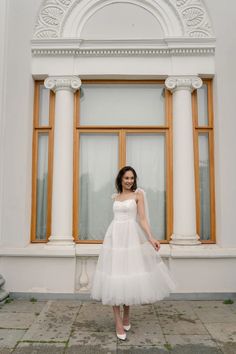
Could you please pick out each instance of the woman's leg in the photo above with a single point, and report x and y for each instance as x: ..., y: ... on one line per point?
x: 126, y: 315
x: 118, y: 320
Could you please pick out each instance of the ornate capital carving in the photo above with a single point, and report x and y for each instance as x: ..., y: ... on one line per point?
x: 56, y: 83
x: 191, y: 83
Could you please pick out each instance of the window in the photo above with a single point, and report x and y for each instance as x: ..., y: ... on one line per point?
x: 42, y: 163
x: 204, y: 161
x: 121, y: 123
x: 138, y: 132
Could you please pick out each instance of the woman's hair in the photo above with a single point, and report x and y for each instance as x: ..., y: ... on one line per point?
x: 121, y: 173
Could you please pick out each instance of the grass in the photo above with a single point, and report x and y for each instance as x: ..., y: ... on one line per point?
x: 32, y: 299
x: 228, y: 302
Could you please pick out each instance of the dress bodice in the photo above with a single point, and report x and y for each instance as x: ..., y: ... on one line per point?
x: 125, y: 210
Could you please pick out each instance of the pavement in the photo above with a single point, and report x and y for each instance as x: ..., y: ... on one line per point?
x: 69, y: 327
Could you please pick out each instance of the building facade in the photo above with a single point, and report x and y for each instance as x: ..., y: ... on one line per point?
x: 90, y: 86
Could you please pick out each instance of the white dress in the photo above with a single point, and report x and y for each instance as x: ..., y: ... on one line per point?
x: 129, y: 270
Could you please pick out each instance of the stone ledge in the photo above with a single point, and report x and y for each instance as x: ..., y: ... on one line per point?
x: 92, y: 250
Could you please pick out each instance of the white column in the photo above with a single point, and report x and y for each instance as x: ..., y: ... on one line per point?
x: 184, y: 226
x: 62, y: 189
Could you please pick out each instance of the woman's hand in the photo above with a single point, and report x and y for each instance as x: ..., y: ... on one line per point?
x: 155, y: 243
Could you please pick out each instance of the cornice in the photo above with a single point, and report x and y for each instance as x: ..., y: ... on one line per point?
x: 96, y: 48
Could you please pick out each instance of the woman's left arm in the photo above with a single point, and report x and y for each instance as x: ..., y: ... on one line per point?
x: 144, y: 223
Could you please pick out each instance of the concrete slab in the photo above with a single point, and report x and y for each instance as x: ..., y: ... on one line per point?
x: 228, y: 348
x: 54, y: 322
x: 16, y: 320
x: 141, y: 350
x: 201, y: 344
x: 146, y: 333
x: 177, y: 317
x: 222, y: 332
x: 23, y: 306
x: 95, y: 317
x: 218, y: 313
x: 9, y: 337
x: 93, y: 342
x: 40, y: 348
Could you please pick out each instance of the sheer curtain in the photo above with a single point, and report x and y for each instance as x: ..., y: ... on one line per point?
x: 146, y: 154
x: 42, y: 187
x: 204, y: 176
x: 98, y: 167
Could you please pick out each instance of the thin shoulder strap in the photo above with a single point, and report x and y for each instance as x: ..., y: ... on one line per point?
x: 114, y: 195
x: 145, y: 203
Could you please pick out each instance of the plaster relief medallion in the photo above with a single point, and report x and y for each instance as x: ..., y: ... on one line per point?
x: 181, y: 2
x: 47, y: 34
x: 198, y: 34
x: 193, y: 16
x: 65, y: 2
x: 51, y: 15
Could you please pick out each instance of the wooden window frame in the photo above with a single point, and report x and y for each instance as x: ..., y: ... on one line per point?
x: 37, y: 129
x: 209, y: 129
x: 121, y: 130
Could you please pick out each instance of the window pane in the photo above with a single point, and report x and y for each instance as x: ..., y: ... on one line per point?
x: 202, y: 105
x: 146, y: 153
x: 204, y: 176
x: 117, y: 104
x: 42, y: 186
x: 97, y: 171
x: 43, y: 105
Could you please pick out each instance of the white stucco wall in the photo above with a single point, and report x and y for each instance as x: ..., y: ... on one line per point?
x: 16, y: 91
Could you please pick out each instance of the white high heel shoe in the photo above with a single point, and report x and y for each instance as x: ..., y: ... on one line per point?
x: 121, y: 336
x: 127, y: 328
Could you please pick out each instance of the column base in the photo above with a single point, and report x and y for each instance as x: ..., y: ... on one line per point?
x: 185, y: 240
x: 58, y: 241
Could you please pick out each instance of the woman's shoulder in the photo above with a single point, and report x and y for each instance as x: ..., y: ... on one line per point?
x: 114, y: 195
x: 140, y: 190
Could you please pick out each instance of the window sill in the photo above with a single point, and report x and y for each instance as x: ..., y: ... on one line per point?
x: 92, y: 250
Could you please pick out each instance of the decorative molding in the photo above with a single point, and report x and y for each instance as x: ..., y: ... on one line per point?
x: 167, y: 47
x: 194, y: 17
x: 191, y: 14
x: 175, y: 83
x: 56, y: 83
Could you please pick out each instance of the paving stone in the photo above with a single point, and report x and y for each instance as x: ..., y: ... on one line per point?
x: 177, y: 317
x: 5, y: 351
x: 220, y: 313
x: 144, y: 312
x: 145, y: 333
x: 23, y: 306
x: 95, y: 317
x: 100, y: 342
x: 141, y: 350
x: 9, y: 337
x: 199, y: 344
x: 228, y: 348
x: 88, y: 349
x: 16, y: 320
x: 54, y: 322
x: 222, y: 332
x: 40, y: 348
x: 205, y: 303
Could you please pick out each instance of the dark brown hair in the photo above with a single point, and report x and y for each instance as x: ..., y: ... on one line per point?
x: 121, y: 173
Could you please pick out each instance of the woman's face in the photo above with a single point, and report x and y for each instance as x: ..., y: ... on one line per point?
x: 127, y: 180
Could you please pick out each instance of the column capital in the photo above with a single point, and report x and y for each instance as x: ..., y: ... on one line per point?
x: 56, y: 83
x: 190, y: 83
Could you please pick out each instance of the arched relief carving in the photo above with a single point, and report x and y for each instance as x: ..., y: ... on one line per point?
x: 185, y: 18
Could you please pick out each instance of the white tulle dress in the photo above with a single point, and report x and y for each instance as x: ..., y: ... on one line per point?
x: 129, y: 270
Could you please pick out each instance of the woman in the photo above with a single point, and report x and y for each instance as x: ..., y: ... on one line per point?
x: 129, y: 270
